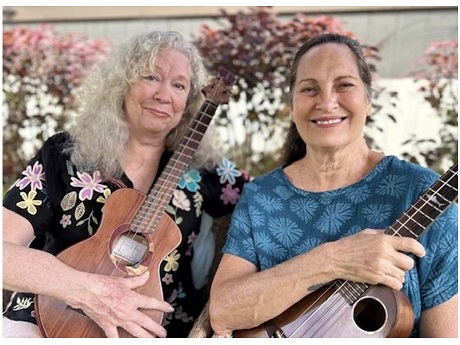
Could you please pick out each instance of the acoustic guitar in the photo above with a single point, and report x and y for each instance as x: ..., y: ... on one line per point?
x: 135, y: 234
x: 358, y: 310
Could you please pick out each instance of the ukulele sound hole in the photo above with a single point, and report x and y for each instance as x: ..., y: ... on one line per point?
x: 130, y: 249
x: 369, y: 314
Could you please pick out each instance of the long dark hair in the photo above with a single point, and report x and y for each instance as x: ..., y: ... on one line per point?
x: 294, y: 147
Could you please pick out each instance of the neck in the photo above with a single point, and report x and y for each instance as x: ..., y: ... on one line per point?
x: 140, y: 162
x: 323, y: 171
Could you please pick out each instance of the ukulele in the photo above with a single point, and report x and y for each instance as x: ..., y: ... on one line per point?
x: 135, y: 234
x: 357, y: 310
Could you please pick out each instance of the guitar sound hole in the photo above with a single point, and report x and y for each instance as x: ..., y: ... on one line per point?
x: 369, y: 314
x: 130, y: 249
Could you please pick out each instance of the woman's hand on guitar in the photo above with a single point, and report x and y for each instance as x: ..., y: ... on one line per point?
x: 373, y: 257
x: 111, y: 302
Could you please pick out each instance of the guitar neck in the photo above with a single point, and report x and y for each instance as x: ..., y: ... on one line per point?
x: 429, y: 206
x: 154, y: 206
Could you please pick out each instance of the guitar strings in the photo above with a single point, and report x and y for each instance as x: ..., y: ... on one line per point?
x: 337, y: 308
x: 337, y: 298
x: 420, y: 215
x: 145, y: 219
x: 159, y: 212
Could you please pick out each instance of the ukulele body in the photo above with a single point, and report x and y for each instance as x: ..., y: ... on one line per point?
x: 362, y: 311
x: 101, y: 254
x: 108, y: 251
x: 380, y: 312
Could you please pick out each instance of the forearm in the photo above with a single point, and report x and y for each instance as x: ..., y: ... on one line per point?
x: 30, y: 270
x: 440, y: 321
x: 248, y: 300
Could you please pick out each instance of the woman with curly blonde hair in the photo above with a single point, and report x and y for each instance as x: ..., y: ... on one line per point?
x: 135, y: 109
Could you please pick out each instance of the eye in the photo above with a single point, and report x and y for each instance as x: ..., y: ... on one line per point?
x: 151, y: 78
x: 180, y: 86
x: 344, y: 86
x: 309, y: 90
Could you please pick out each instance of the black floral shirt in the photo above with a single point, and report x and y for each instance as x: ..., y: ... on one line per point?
x: 65, y: 203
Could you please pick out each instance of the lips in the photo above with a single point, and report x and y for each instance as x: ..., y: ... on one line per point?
x: 328, y: 122
x: 157, y: 112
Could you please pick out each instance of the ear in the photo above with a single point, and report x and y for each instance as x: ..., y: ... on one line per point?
x: 368, y: 108
x: 290, y: 110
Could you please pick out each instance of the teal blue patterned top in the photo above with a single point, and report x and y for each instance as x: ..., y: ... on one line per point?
x: 275, y: 221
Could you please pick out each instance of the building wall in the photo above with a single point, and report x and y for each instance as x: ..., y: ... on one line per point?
x: 401, y: 33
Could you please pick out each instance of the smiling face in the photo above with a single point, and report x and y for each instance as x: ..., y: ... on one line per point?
x: 155, y: 104
x: 330, y: 103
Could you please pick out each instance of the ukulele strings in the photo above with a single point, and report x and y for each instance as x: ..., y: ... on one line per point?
x: 335, y: 305
x: 420, y: 216
x: 173, y: 167
x: 151, y: 222
x: 341, y: 304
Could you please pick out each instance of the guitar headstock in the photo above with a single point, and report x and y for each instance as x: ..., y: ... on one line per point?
x: 218, y: 90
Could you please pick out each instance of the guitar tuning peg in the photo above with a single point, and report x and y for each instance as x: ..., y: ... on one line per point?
x: 227, y: 76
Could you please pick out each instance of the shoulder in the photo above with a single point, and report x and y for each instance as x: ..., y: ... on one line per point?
x: 404, y: 179
x: 395, y: 165
x: 57, y: 144
x: 268, y: 180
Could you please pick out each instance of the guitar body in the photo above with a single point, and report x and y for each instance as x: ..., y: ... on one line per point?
x: 106, y: 253
x: 135, y: 234
x: 380, y: 312
x: 357, y: 310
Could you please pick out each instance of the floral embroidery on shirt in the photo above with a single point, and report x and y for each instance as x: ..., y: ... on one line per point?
x: 180, y: 200
x: 88, y: 220
x: 29, y: 202
x: 69, y: 201
x: 190, y: 241
x: 180, y: 291
x: 74, y: 207
x: 33, y: 176
x: 172, y: 263
x: 103, y: 198
x: 167, y: 279
x: 88, y: 184
x: 179, y: 314
x: 65, y: 220
x: 189, y: 180
x: 230, y: 195
x: 227, y: 171
x: 197, y: 202
x: 23, y: 303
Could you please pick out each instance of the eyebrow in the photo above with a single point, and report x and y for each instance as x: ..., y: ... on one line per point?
x: 336, y: 79
x: 179, y: 76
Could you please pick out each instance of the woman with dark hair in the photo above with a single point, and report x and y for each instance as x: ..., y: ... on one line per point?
x: 319, y: 217
x: 135, y: 110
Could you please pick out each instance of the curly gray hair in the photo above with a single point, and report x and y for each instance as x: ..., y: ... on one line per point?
x: 101, y: 131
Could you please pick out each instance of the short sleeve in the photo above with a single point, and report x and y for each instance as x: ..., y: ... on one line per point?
x: 29, y: 196
x: 240, y: 241
x: 440, y: 280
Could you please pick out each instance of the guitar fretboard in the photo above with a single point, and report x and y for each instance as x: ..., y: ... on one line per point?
x: 428, y: 207
x: 154, y: 206
x: 424, y: 212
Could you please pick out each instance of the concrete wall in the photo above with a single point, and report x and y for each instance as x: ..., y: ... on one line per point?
x: 401, y: 33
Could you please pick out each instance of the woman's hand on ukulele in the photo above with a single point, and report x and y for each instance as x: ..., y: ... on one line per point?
x: 373, y: 257
x: 111, y: 302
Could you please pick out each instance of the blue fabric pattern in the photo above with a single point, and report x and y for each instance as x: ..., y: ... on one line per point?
x: 275, y: 221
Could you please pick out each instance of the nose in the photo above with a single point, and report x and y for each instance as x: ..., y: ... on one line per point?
x: 162, y: 93
x: 327, y: 101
